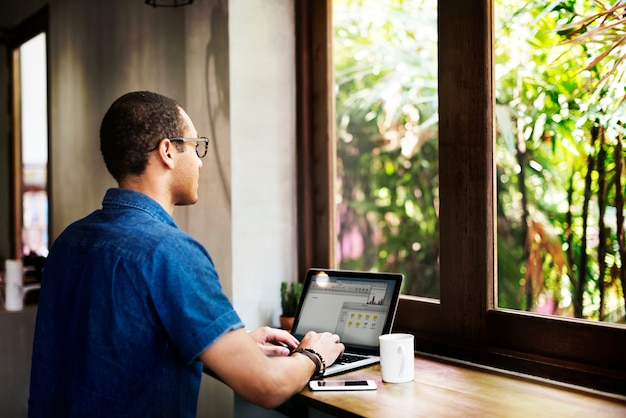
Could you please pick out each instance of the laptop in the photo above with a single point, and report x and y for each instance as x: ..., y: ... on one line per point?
x: 359, y: 306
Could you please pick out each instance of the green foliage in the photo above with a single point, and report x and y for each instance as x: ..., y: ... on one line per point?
x: 386, y: 75
x: 561, y: 83
x: 289, y: 297
x: 560, y: 135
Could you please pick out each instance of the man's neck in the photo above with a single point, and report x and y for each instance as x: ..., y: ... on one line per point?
x: 154, y: 190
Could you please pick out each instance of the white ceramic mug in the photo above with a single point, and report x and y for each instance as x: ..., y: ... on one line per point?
x: 397, y: 357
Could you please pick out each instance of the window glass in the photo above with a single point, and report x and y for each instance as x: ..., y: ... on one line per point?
x: 560, y: 157
x: 387, y: 191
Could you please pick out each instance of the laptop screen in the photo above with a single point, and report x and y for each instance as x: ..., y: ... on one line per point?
x: 358, y: 306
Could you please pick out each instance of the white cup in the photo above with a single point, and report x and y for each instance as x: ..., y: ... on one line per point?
x: 13, y: 283
x: 397, y: 357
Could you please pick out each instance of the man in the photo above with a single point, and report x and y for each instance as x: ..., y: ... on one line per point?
x: 131, y: 306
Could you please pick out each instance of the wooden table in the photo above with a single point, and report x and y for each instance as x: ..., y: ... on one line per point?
x: 446, y: 389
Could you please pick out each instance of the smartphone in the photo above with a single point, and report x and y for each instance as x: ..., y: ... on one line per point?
x: 342, y: 385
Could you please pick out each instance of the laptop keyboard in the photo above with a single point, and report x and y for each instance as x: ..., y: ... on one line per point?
x: 349, y: 358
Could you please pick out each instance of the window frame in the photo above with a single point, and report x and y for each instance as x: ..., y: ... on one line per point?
x: 465, y: 322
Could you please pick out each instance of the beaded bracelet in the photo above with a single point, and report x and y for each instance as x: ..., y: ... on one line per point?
x: 320, y: 364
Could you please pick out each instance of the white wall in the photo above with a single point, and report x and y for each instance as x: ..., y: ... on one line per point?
x: 262, y: 59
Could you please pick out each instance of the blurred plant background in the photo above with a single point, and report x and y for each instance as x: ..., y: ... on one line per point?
x: 560, y: 112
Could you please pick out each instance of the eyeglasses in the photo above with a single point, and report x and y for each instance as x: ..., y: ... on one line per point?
x: 202, y: 144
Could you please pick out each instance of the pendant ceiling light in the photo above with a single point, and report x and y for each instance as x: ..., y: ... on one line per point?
x: 168, y: 3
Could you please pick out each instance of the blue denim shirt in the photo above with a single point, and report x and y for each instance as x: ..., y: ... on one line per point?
x: 128, y: 302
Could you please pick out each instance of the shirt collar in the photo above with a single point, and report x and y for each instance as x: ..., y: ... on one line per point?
x: 120, y: 198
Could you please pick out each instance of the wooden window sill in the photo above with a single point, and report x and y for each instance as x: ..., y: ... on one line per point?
x: 444, y: 387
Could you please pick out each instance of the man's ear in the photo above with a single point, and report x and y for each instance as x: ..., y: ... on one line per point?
x: 165, y: 151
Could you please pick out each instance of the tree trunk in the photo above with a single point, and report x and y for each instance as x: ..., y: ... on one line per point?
x: 569, y: 232
x: 619, y: 206
x: 602, y: 235
x: 582, y: 262
x: 520, y: 155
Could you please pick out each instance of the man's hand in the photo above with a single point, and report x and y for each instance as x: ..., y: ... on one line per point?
x: 239, y: 359
x: 274, y: 342
x: 325, y: 343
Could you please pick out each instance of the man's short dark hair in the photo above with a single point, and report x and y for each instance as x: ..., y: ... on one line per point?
x: 134, y: 125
